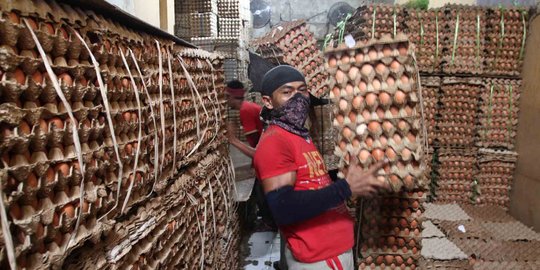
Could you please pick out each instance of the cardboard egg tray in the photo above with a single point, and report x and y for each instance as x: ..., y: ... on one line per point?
x: 390, y: 228
x: 324, y: 133
x: 445, y: 264
x: 230, y: 27
x: 39, y: 162
x: 203, y: 24
x: 495, y: 176
x: 456, y: 172
x: 462, y: 35
x: 292, y: 43
x: 423, y: 28
x: 377, y: 109
x: 499, y: 113
x: 200, y: 6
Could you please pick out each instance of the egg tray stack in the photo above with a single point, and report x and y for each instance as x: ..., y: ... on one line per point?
x: 201, y: 6
x: 456, y: 176
x: 203, y: 24
x: 373, y: 22
x: 390, y: 231
x: 499, y: 113
x: 431, y: 95
x: 39, y: 166
x: 495, y: 176
x: 177, y: 230
x: 506, y: 31
x: 230, y: 27
x: 324, y: 133
x: 292, y: 43
x: 462, y: 36
x: 182, y: 28
x: 377, y: 109
x: 423, y: 27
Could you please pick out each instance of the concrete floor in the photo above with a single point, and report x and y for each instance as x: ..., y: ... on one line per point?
x: 263, y: 251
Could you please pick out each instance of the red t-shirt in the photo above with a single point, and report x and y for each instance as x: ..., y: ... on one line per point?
x: 319, y: 238
x: 249, y: 117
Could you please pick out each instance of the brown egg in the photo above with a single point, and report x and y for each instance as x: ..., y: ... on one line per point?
x: 364, y: 155
x: 345, y: 59
x: 332, y: 61
x: 387, y: 51
x: 65, y: 79
x: 403, y: 125
x: 359, y: 57
x: 408, y: 181
x: 377, y: 154
x: 43, y: 126
x: 387, y: 126
x: 385, y: 98
x: 389, y: 259
x: 19, y: 76
x: 371, y: 98
x: 32, y: 180
x: 352, y: 117
x: 69, y: 210
x: 411, y: 137
x: 390, y: 81
x: 340, y: 119
x: 340, y: 76
x: 355, y: 142
x: 59, y: 238
x: 342, y: 145
x: 126, y: 116
x: 399, y: 97
x: 367, y: 69
x: 347, y: 132
x: 369, y: 141
x: 408, y: 110
x: 406, y: 154
x: 374, y: 127
x: 366, y: 114
x: 372, y: 53
x: 15, y: 211
x: 394, y: 180
x: 362, y: 86
x: 402, y: 48
x: 357, y: 102
x: 57, y: 123
x: 343, y: 104
x: 395, y: 65
x: 383, y: 140
x: 380, y: 113
x: 24, y: 128
x: 14, y: 18
x: 396, y: 138
x: 49, y: 29
x: 349, y: 89
x: 390, y: 153
x: 32, y: 23
x: 404, y: 79
x: 380, y: 68
x: 394, y: 111
x: 376, y: 84
x: 62, y: 168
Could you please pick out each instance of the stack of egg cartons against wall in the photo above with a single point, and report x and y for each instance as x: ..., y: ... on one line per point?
x: 462, y: 37
x: 423, y: 27
x: 378, y: 114
x: 88, y: 157
x: 495, y: 176
x: 292, y: 43
x: 506, y: 31
x: 196, y: 19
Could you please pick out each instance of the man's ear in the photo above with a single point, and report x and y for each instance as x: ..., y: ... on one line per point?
x: 267, y: 101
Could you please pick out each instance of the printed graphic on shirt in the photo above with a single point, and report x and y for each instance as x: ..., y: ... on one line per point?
x: 315, y: 164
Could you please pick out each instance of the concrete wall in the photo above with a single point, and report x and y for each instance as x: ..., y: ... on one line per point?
x: 149, y: 11
x: 525, y: 197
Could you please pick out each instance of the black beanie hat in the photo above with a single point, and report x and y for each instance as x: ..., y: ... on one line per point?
x: 278, y: 76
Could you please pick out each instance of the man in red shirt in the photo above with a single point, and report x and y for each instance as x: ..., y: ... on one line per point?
x: 253, y: 127
x: 307, y: 206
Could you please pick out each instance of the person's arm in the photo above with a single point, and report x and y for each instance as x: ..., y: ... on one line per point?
x: 244, y: 148
x: 252, y: 137
x: 289, y: 206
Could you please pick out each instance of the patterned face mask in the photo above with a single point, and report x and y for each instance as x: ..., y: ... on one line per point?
x: 291, y: 116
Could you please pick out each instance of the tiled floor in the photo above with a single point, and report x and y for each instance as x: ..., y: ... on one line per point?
x: 264, y: 250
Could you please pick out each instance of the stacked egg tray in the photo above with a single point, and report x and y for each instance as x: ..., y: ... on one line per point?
x: 200, y: 6
x: 377, y: 110
x: 230, y: 27
x: 374, y: 21
x: 40, y: 167
x: 462, y: 37
x: 499, y: 113
x: 431, y: 96
x: 459, y: 104
x: 203, y: 24
x: 390, y: 230
x: 183, y: 227
x: 292, y: 43
x: 506, y: 31
x: 495, y: 176
x: 234, y: 9
x: 488, y: 238
x: 324, y: 133
x: 423, y: 28
x: 456, y: 170
x: 488, y: 41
